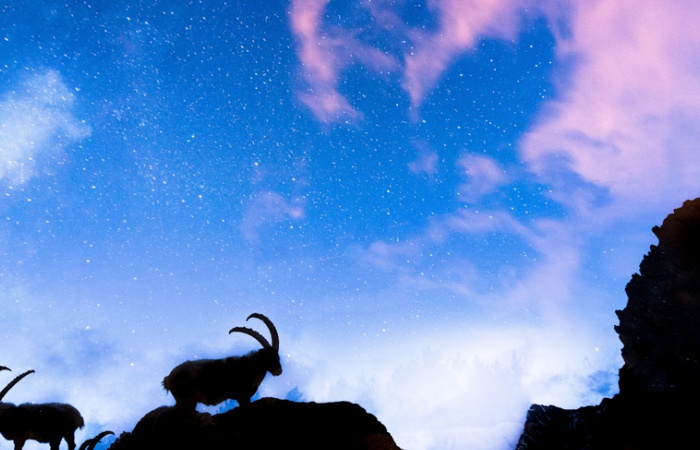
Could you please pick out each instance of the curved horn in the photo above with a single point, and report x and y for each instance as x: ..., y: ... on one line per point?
x: 5, y: 368
x: 91, y: 443
x: 11, y: 384
x: 270, y: 326
x: 253, y: 333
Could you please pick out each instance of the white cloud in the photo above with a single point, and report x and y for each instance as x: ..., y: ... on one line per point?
x: 447, y: 386
x: 36, y: 122
x: 391, y: 255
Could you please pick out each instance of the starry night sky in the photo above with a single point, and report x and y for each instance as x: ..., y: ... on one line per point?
x: 438, y: 202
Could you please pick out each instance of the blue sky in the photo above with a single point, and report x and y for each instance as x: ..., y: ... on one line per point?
x: 438, y: 203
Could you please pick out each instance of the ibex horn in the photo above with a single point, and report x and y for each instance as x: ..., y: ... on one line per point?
x: 91, y: 443
x: 11, y: 384
x: 273, y: 332
x: 271, y: 327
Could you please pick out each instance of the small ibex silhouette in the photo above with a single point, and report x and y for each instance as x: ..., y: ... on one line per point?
x: 42, y: 422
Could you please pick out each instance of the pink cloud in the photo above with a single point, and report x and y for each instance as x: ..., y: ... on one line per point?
x: 461, y: 24
x: 323, y: 53
x: 628, y: 118
x: 319, y: 60
x: 328, y: 105
x: 305, y: 18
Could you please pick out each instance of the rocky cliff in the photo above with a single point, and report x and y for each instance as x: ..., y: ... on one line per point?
x: 660, y: 332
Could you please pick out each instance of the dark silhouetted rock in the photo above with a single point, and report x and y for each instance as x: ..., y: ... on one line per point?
x: 265, y: 424
x: 659, y: 326
x: 660, y: 332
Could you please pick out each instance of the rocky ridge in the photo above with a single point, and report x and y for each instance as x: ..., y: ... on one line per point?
x: 660, y: 332
x: 268, y: 423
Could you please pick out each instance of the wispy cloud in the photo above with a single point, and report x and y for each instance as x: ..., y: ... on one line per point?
x: 437, y: 259
x: 267, y: 208
x: 465, y: 221
x: 323, y: 53
x: 320, y: 62
x: 460, y: 24
x: 392, y: 255
x: 426, y: 163
x: 483, y: 176
x: 36, y: 122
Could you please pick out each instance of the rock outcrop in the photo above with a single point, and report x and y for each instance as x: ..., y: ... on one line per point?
x: 264, y: 424
x: 660, y: 332
x: 660, y: 326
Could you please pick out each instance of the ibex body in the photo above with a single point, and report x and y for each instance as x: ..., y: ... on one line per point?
x: 212, y: 381
x: 44, y: 422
